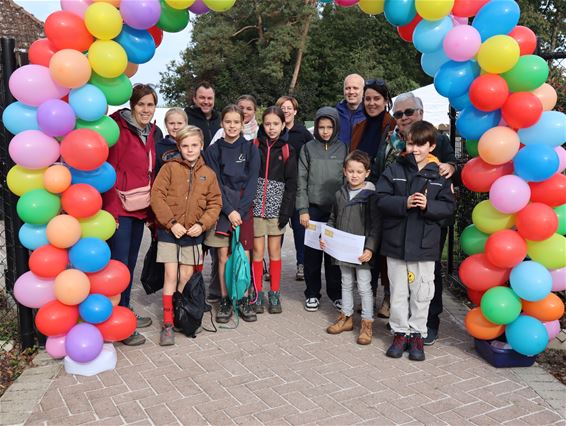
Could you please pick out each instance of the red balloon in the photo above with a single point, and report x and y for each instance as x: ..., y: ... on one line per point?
x: 84, y: 149
x: 526, y: 39
x: 475, y: 296
x: 157, y: 34
x: 477, y: 175
x: 406, y: 31
x: 120, y: 325
x: 551, y: 191
x: 67, y: 31
x: 41, y: 51
x: 48, y: 261
x: 55, y: 318
x: 112, y: 280
x: 488, y: 92
x: 467, y: 7
x: 477, y: 273
x: 536, y: 222
x: 521, y: 109
x: 505, y: 249
x: 81, y: 200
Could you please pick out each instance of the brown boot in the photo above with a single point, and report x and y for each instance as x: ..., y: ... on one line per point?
x: 343, y: 323
x: 365, y: 332
x: 384, y: 309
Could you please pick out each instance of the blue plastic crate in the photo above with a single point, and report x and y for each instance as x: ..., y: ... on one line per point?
x: 500, y: 357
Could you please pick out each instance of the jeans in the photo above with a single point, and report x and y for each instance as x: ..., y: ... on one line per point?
x: 299, y: 237
x: 125, y: 246
x: 363, y: 277
x: 436, y: 307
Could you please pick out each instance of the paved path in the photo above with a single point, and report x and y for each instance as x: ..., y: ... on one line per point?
x: 284, y: 369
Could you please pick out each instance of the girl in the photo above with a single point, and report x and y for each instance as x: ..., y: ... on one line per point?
x: 274, y: 202
x: 186, y: 201
x: 166, y: 149
x: 236, y: 164
x: 248, y: 105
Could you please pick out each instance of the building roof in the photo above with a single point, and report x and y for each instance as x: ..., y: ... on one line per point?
x: 17, y: 23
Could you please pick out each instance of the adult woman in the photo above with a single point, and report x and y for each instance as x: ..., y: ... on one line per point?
x: 134, y: 159
x: 248, y: 105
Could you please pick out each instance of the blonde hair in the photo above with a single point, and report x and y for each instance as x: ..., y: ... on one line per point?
x: 188, y: 131
x: 175, y: 110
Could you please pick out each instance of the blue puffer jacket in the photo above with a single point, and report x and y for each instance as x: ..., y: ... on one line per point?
x: 348, y: 119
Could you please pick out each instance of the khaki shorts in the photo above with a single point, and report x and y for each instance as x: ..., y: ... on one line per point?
x: 188, y: 255
x: 216, y: 240
x: 264, y: 227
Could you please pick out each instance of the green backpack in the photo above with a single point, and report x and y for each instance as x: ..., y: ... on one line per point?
x: 237, y: 272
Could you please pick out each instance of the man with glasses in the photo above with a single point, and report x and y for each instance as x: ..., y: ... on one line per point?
x: 351, y: 108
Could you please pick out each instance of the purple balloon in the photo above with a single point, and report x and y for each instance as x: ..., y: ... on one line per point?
x: 561, y: 158
x: 84, y: 342
x: 56, y: 117
x: 33, y: 291
x: 552, y: 328
x: 199, y: 8
x: 141, y: 14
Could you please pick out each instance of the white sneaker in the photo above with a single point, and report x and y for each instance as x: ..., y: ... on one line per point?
x: 338, y: 304
x: 312, y: 304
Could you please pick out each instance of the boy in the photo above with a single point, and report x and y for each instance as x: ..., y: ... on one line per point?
x: 413, y: 199
x: 320, y: 176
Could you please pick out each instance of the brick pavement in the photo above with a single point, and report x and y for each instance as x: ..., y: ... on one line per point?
x: 285, y: 370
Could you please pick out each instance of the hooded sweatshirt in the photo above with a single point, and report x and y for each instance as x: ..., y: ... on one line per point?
x: 165, y: 149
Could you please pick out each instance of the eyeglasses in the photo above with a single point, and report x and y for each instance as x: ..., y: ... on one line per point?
x: 408, y: 112
x: 375, y: 82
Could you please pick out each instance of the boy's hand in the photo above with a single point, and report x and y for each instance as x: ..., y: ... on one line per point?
x: 411, y: 201
x: 420, y: 200
x: 366, y: 256
x: 304, y: 219
x: 322, y: 245
x: 178, y: 230
x: 235, y: 218
x: 195, y: 230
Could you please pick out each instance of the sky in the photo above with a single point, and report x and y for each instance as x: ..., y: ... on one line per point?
x: 170, y: 48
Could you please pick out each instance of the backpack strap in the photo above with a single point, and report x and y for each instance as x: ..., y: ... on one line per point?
x: 286, y: 152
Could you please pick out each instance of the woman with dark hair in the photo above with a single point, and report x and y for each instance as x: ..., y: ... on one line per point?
x: 133, y: 157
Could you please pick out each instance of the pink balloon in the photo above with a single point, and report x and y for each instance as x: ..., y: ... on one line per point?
x: 33, y: 149
x: 33, y: 291
x: 199, y: 8
x: 509, y: 194
x: 459, y: 20
x: 553, y: 329
x: 558, y: 279
x: 55, y: 346
x: 33, y: 85
x: 462, y: 43
x: 346, y: 3
x: 561, y: 158
x: 78, y: 7
x: 141, y: 14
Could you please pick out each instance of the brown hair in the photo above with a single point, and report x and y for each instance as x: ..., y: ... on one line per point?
x: 205, y: 85
x: 422, y: 132
x: 232, y: 108
x: 284, y: 99
x: 360, y: 157
x: 139, y: 91
x: 187, y: 131
x: 275, y: 110
x: 247, y: 98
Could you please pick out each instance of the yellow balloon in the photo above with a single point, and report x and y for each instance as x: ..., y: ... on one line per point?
x: 498, y: 54
x: 103, y: 21
x: 180, y: 4
x: 551, y: 253
x: 433, y: 10
x: 372, y: 7
x: 219, y: 5
x: 489, y: 220
x: 107, y: 58
x: 22, y: 180
x: 102, y: 225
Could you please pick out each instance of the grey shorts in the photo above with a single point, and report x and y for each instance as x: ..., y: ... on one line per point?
x: 188, y: 255
x: 264, y: 227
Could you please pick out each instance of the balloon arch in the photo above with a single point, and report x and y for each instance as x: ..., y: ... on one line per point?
x: 481, y: 60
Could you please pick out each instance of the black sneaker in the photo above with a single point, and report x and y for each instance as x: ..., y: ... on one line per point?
x: 246, y: 311
x: 224, y: 312
x: 416, y: 347
x: 432, y: 335
x: 398, y: 346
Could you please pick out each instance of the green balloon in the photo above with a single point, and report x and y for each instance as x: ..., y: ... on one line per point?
x: 473, y: 240
x: 172, y: 20
x: 551, y: 253
x: 102, y: 225
x: 472, y: 148
x: 38, y: 206
x: 561, y: 213
x: 500, y: 305
x: 116, y: 90
x: 105, y: 126
x: 530, y: 72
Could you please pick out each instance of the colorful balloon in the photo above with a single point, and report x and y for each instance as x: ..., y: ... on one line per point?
x: 558, y: 279
x: 489, y: 220
x: 433, y: 10
x: 63, y: 231
x: 499, y: 145
x: 526, y: 39
x: 453, y: 79
x: 431, y: 62
x: 84, y: 342
x: 180, y: 4
x: 536, y: 163
x: 472, y: 123
x: 547, y: 96
x: 496, y: 17
x: 120, y: 325
x: 67, y: 31
x: 32, y: 85
x: 117, y: 90
x: 536, y: 222
x: 102, y: 178
x: 48, y: 261
x: 527, y: 335
x: 472, y: 240
x: 90, y: 254
x: 105, y: 127
x: 173, y: 20
x: 21, y: 180
x: 509, y: 194
x: 71, y: 287
x: 84, y: 149
x: 55, y: 117
x: 498, y: 54
x: 56, y: 319
x: 531, y: 281
x: 560, y: 212
x: 224, y: 5
x: 41, y: 51
x: 477, y: 273
x: 529, y: 73
x: 550, y: 252
x: 461, y: 43
x: 480, y: 328
x: 138, y: 44
x: 78, y: 7
x: 55, y: 346
x: 95, y: 309
x: 56, y: 179
x: 141, y: 15
x: 101, y: 225
x: 500, y: 305
x: 550, y: 308
x: 522, y: 109
x: 88, y: 102
x: 103, y: 20
x: 551, y: 191
x: 18, y: 117
x: 371, y: 7
x: 467, y: 8
x: 38, y: 207
x: 552, y: 124
x: 488, y: 92
x: 428, y: 35
x: 33, y: 291
x: 399, y: 12
x: 112, y: 280
x: 33, y: 236
x: 33, y: 149
x: 69, y: 68
x: 81, y: 201
x: 107, y: 58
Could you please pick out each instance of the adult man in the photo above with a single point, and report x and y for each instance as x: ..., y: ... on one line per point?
x: 202, y: 113
x: 351, y: 109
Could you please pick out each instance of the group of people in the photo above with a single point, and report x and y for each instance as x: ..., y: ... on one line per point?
x: 371, y: 168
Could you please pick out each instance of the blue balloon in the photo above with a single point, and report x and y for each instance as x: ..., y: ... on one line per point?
x: 102, y: 178
x: 400, y: 12
x: 89, y: 254
x: 138, y: 44
x: 461, y: 102
x: 88, y: 102
x: 549, y: 130
x: 527, y: 335
x: 96, y: 308
x: 431, y: 62
x: 473, y: 123
x: 535, y: 163
x: 428, y: 35
x: 33, y: 236
x: 496, y: 17
x: 453, y: 79
x: 18, y: 117
x: 531, y: 281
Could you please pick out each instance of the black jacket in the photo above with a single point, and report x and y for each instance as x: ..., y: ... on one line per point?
x: 298, y: 136
x: 208, y: 127
x: 413, y: 235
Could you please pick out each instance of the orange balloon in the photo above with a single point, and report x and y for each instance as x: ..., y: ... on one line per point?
x: 481, y: 328
x: 57, y: 179
x: 547, y: 96
x: 115, y: 299
x: 70, y: 68
x: 115, y: 3
x: 63, y: 231
x: 499, y: 145
x: 71, y: 287
x: 550, y: 308
x: 131, y: 69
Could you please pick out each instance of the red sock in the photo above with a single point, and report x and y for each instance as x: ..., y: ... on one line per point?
x: 257, y: 267
x: 167, y: 309
x: 199, y: 268
x: 275, y: 272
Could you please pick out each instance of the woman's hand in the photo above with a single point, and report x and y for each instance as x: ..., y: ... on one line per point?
x: 366, y: 256
x: 235, y: 218
x: 178, y: 230
x: 304, y: 219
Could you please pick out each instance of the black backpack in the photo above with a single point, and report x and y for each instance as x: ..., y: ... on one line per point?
x: 190, y: 306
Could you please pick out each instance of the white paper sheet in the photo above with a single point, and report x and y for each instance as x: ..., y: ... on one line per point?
x: 342, y: 245
x: 312, y: 234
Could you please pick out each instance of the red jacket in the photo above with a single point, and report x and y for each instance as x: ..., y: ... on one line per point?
x: 130, y: 158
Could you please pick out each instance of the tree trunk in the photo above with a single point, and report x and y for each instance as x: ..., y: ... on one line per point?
x: 302, y: 46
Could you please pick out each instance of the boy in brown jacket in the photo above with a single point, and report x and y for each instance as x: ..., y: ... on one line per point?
x: 186, y: 200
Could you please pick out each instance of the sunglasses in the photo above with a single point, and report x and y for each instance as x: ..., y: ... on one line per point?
x: 408, y: 112
x: 375, y: 82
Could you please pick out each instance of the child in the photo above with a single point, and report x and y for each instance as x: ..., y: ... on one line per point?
x: 166, y: 149
x: 355, y: 211
x: 236, y: 163
x: 274, y: 202
x: 320, y: 176
x: 413, y: 199
x: 186, y: 201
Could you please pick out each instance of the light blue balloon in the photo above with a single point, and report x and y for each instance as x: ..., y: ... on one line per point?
x: 536, y: 163
x: 453, y: 78
x: 496, y: 17
x: 428, y: 35
x: 527, y: 335
x: 18, y: 117
x: 88, y: 102
x: 431, y: 62
x: 531, y: 281
x: 549, y: 130
x: 400, y: 12
x: 102, y: 178
x: 96, y: 308
x: 473, y: 123
x: 138, y: 44
x: 89, y: 254
x: 461, y: 102
x: 33, y: 236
